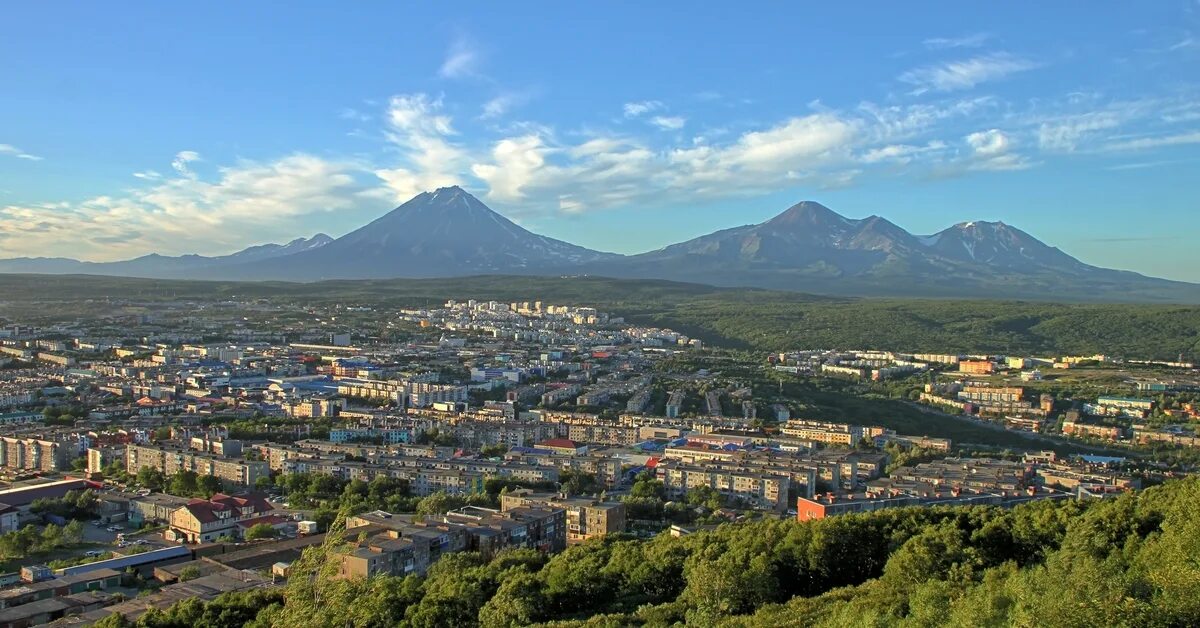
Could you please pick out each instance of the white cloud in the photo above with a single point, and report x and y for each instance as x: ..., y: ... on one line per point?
x: 894, y: 123
x: 181, y: 161
x: 1187, y: 43
x: 429, y: 160
x: 669, y: 123
x: 9, y: 149
x: 1064, y: 135
x: 1140, y: 165
x: 812, y: 137
x: 526, y: 168
x: 1144, y: 143
x: 516, y: 162
x: 988, y: 143
x: 350, y: 113
x: 900, y: 153
x: 636, y: 109
x: 966, y: 41
x: 461, y: 60
x: 247, y: 204
x: 965, y: 74
x: 503, y: 103
x: 993, y: 150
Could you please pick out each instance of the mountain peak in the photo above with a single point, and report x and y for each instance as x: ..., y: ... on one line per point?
x: 810, y: 213
x: 442, y: 232
x: 982, y: 224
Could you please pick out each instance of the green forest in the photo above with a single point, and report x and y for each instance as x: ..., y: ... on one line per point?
x: 760, y: 320
x: 1129, y: 561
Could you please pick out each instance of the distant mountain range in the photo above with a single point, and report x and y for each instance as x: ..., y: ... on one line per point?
x: 808, y: 248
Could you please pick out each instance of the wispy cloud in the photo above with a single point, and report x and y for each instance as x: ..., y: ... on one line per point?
x: 350, y: 113
x: 1142, y: 165
x: 1145, y: 143
x: 965, y: 74
x: 668, y: 123
x: 993, y: 150
x: 502, y: 103
x: 1187, y: 42
x: 9, y: 149
x: 901, y: 153
x: 182, y: 161
x: 640, y: 108
x: 1065, y: 134
x: 974, y: 40
x: 461, y: 60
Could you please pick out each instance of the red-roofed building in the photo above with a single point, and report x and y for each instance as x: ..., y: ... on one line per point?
x: 206, y: 520
x: 275, y: 521
x: 563, y: 447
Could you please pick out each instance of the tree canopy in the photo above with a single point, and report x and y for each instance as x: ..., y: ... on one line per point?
x: 1124, y: 561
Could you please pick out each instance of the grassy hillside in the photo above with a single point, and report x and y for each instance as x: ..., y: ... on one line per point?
x: 738, y: 318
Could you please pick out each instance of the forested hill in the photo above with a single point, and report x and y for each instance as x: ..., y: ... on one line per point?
x: 761, y: 320
x: 1130, y: 561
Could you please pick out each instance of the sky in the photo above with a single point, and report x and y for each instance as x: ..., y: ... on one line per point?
x: 622, y: 126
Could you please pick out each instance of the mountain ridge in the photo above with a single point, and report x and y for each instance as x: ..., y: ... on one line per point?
x: 808, y: 247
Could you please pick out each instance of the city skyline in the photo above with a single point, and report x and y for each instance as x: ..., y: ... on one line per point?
x: 1079, y: 128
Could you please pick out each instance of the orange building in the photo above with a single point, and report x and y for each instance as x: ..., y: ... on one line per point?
x: 977, y: 367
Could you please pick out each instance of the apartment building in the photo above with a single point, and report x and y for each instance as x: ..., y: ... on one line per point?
x: 1121, y: 406
x: 37, y: 454
x: 948, y: 482
x: 556, y: 396
x: 586, y: 518
x: 606, y: 470
x: 425, y: 394
x: 977, y: 367
x: 398, y: 545
x: 992, y: 394
x: 373, y: 389
x: 830, y: 433
x: 761, y: 490
x: 170, y: 460
x: 675, y: 404
x: 1089, y: 430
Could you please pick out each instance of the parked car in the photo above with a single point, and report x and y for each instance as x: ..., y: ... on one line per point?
x: 92, y: 553
x: 98, y: 523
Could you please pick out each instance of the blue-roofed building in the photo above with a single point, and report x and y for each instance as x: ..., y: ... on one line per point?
x: 143, y: 562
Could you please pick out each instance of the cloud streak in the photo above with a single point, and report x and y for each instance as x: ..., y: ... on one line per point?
x: 1146, y: 143
x: 965, y: 74
x: 461, y: 60
x: 640, y: 108
x: 974, y: 40
x: 13, y: 151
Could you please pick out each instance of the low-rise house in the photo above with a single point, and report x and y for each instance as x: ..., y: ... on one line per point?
x: 206, y: 520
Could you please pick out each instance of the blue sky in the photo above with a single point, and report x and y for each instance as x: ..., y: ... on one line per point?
x: 620, y: 126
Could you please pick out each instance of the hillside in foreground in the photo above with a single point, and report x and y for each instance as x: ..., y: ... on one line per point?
x: 1128, y: 561
x: 738, y: 318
